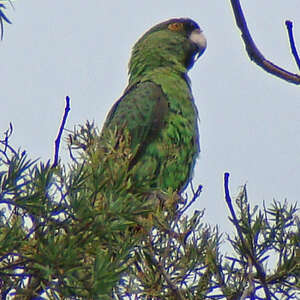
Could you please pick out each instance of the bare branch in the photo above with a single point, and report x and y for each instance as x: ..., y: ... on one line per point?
x: 3, y: 18
x: 196, y: 195
x: 254, y: 53
x: 248, y: 251
x: 58, y: 139
x: 289, y: 27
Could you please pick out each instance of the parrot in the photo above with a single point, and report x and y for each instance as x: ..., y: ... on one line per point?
x: 157, y: 108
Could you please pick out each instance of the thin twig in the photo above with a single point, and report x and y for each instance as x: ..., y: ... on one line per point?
x: 230, y: 206
x: 8, y: 134
x: 249, y: 253
x: 289, y: 27
x: 253, y: 51
x: 58, y: 139
x: 195, y: 197
x: 3, y: 17
x: 176, y: 292
x: 70, y: 149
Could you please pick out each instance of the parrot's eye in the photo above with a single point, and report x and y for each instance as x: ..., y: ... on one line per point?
x: 175, y: 26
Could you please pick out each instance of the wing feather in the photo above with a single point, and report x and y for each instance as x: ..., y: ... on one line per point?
x: 141, y: 111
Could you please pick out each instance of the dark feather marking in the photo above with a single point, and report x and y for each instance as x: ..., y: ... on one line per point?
x: 144, y: 130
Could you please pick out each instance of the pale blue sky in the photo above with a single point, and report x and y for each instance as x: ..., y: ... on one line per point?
x: 250, y: 120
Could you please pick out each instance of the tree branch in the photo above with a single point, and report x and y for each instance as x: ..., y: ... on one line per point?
x: 254, y: 53
x: 58, y: 139
x: 196, y: 195
x: 175, y: 291
x: 248, y: 252
x: 3, y: 18
x: 289, y: 27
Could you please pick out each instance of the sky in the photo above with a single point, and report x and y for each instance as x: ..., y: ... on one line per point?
x: 249, y: 119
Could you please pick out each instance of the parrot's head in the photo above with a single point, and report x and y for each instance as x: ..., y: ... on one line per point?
x: 176, y: 43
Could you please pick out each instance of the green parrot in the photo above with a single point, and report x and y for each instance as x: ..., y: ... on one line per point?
x: 157, y: 109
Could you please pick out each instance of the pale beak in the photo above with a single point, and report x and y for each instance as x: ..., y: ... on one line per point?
x: 199, y: 39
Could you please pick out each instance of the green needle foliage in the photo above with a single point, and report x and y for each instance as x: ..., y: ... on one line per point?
x: 84, y: 231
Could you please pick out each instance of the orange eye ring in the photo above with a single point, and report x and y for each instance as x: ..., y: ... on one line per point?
x: 175, y: 26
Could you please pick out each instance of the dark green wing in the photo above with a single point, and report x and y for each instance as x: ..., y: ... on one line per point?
x: 141, y: 110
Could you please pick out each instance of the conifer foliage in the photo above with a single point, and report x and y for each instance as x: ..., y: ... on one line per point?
x: 82, y: 232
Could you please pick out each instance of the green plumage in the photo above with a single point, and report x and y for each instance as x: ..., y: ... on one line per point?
x: 157, y: 107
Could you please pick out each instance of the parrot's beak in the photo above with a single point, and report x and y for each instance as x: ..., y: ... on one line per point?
x: 198, y: 38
